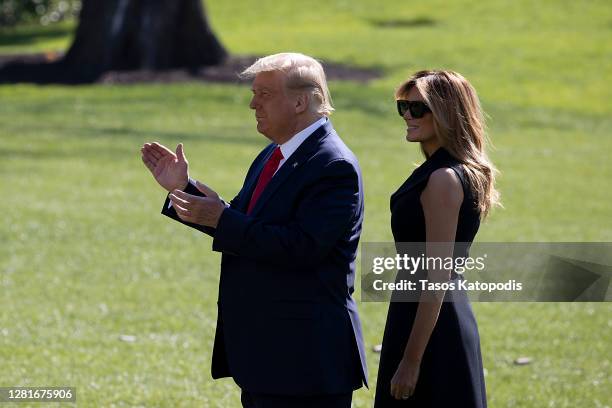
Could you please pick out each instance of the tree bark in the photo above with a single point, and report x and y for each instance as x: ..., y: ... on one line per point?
x: 130, y: 35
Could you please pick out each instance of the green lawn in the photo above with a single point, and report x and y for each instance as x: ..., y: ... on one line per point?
x: 86, y: 257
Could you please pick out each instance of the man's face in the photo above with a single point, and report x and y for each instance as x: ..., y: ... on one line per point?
x: 274, y: 107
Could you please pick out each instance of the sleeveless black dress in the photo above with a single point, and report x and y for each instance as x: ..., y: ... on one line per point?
x: 451, y: 372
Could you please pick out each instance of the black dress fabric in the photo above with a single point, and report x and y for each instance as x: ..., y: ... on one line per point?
x: 451, y: 372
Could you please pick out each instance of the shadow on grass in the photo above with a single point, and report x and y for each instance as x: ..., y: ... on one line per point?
x: 29, y: 35
x: 416, y: 22
x: 38, y: 69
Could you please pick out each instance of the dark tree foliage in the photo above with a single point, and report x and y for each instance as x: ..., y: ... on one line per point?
x: 13, y: 12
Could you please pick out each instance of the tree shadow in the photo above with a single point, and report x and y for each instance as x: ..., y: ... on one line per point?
x: 415, y: 22
x: 38, y: 69
x: 24, y: 36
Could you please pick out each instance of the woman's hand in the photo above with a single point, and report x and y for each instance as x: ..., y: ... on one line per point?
x: 405, y: 379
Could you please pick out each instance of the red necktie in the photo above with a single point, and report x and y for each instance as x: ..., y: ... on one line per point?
x: 265, y: 176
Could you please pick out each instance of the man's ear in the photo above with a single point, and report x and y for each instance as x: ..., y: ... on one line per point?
x: 302, y: 101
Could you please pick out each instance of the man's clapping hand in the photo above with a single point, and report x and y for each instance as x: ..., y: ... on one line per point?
x: 198, y: 210
x: 171, y: 170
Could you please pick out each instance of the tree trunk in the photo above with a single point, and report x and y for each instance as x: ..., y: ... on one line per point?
x: 131, y: 35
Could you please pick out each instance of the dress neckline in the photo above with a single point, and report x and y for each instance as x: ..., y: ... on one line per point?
x: 440, y: 151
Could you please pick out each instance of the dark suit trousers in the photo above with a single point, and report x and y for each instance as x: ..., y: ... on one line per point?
x: 250, y: 400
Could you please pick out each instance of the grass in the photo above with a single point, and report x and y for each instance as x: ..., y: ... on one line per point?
x: 86, y: 257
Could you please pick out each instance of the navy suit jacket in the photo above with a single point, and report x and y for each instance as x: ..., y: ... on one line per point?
x: 287, y: 323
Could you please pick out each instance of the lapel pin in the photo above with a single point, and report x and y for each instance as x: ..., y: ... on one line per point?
x: 294, y: 165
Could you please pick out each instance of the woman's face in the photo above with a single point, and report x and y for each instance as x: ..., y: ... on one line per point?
x: 419, y: 130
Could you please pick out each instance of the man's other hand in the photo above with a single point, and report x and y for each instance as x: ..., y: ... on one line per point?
x: 198, y: 210
x: 171, y: 170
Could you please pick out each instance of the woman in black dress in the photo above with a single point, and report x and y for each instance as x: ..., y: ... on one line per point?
x: 431, y: 355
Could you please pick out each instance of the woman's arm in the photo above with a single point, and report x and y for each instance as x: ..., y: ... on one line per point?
x: 441, y: 200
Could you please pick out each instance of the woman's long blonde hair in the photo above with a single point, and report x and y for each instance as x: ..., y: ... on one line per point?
x: 460, y: 127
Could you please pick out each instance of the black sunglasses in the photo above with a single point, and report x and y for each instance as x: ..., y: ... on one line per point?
x: 417, y: 109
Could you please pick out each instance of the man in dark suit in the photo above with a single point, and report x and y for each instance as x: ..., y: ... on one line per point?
x: 288, y: 331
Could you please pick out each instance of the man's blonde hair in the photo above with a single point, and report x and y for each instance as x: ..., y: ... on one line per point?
x: 303, y: 73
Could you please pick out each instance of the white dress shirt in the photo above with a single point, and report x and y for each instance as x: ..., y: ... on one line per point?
x: 291, y: 145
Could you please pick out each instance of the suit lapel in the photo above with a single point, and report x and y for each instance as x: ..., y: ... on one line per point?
x: 251, y: 182
x: 301, y: 155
